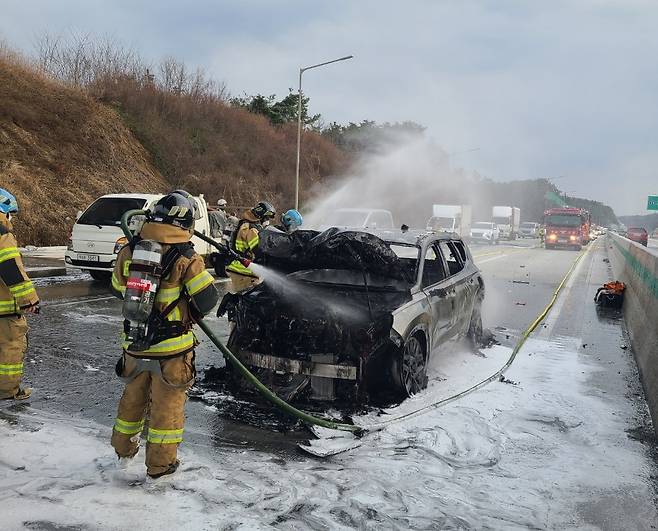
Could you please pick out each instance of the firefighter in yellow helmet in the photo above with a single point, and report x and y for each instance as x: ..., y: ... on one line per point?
x: 159, y: 368
x: 17, y: 296
x: 244, y: 242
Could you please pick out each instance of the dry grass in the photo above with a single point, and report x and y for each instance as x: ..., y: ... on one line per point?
x: 62, y: 146
x: 210, y: 147
x: 59, y: 150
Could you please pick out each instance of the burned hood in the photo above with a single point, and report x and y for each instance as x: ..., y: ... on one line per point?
x: 332, y: 249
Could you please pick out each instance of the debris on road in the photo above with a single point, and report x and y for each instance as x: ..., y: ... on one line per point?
x: 504, y: 380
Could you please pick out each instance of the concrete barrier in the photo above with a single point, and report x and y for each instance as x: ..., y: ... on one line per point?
x: 634, y: 265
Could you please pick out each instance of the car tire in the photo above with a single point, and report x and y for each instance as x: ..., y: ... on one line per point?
x: 410, y: 367
x: 100, y: 276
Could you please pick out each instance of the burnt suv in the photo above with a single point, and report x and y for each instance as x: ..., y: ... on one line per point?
x: 346, y: 315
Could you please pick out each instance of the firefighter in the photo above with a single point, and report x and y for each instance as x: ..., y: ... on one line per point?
x: 161, y: 374
x: 244, y: 242
x: 17, y: 297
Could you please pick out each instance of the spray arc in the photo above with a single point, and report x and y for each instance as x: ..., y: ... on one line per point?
x: 233, y: 360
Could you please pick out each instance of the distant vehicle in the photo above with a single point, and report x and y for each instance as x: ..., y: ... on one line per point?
x: 485, y: 232
x: 359, y: 218
x: 654, y: 234
x: 638, y: 234
x: 568, y: 227
x: 97, y: 237
x: 379, y: 311
x: 451, y: 218
x: 508, y: 219
x: 529, y: 229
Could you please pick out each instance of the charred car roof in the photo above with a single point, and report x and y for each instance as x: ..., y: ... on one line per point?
x: 333, y: 249
x: 342, y: 249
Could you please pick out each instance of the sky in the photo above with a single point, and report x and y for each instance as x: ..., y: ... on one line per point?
x: 564, y: 89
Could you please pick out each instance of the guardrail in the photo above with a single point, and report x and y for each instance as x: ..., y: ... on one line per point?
x: 637, y: 267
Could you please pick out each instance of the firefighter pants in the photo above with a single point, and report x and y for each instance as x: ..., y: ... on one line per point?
x: 158, y: 400
x: 13, y: 344
x: 241, y: 283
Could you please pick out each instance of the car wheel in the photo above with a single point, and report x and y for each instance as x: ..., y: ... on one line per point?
x: 100, y: 276
x: 411, y: 367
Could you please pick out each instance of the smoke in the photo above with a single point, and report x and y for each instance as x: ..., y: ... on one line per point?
x: 406, y: 176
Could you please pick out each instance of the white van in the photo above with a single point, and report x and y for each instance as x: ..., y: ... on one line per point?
x: 97, y: 236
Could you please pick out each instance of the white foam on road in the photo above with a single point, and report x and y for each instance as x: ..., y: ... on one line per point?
x: 547, y: 452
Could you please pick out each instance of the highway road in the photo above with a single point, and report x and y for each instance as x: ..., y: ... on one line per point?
x: 565, y: 442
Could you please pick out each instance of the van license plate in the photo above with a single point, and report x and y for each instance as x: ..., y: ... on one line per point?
x: 88, y: 257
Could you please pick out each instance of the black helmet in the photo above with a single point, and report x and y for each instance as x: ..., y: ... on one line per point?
x: 264, y: 210
x: 176, y: 208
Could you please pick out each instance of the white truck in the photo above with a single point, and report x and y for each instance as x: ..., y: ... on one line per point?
x: 508, y: 219
x: 97, y: 236
x: 451, y: 218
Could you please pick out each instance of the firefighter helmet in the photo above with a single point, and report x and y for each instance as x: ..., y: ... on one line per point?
x: 263, y: 211
x: 176, y: 208
x: 292, y: 220
x: 8, y: 203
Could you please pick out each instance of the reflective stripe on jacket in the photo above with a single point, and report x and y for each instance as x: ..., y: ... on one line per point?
x: 188, y: 282
x: 16, y: 289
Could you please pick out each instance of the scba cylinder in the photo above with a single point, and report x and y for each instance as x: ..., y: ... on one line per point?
x: 142, y: 285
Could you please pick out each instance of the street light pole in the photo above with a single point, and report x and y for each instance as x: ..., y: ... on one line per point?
x: 299, y: 120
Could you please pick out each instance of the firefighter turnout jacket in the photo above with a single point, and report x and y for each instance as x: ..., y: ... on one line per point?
x: 188, y: 282
x: 244, y: 242
x: 16, y: 289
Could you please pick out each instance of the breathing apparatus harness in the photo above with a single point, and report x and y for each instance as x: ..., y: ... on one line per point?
x: 145, y: 326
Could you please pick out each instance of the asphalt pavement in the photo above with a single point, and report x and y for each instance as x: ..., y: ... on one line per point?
x: 565, y: 442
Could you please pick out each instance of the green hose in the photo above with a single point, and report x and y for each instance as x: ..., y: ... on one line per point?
x: 246, y: 373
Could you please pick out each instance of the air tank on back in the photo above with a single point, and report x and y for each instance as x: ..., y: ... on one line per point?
x: 141, y: 290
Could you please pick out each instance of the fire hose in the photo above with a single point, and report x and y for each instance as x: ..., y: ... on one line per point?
x: 264, y: 391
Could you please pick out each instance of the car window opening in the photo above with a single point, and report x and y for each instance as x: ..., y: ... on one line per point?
x: 452, y: 257
x: 433, y: 271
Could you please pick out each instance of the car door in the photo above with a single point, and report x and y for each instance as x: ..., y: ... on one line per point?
x: 461, y: 283
x: 436, y: 285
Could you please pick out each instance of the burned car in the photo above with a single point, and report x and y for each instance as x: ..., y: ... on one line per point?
x: 345, y: 315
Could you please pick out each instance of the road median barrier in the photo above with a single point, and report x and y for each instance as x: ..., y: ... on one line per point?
x: 637, y: 267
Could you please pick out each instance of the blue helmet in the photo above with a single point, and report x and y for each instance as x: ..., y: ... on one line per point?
x: 292, y: 219
x: 8, y: 203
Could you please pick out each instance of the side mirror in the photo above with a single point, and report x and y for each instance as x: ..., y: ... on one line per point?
x: 78, y: 215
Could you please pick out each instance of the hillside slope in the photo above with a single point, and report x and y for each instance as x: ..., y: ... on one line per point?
x: 59, y: 150
x: 207, y: 146
x: 62, y: 146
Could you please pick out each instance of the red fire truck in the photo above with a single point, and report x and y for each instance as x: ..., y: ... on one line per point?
x: 568, y: 227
